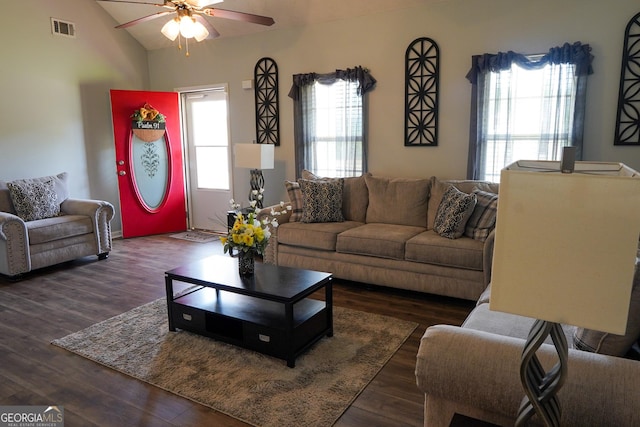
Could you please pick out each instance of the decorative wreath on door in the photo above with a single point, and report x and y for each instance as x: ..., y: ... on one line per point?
x: 148, y: 123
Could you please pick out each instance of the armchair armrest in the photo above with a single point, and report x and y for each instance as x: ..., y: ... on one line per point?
x: 480, y: 369
x: 101, y: 214
x: 15, y: 258
x: 87, y: 207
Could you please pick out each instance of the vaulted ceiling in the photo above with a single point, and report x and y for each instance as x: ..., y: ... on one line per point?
x: 286, y: 13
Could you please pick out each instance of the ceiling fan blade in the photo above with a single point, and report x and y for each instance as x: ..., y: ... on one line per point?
x: 138, y: 2
x: 213, y: 33
x: 144, y: 19
x: 200, y: 4
x: 238, y: 16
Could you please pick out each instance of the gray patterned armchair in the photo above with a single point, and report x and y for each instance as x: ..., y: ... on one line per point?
x: 41, y: 226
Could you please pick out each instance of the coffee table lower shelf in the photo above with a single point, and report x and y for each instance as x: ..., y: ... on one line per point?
x: 252, y: 323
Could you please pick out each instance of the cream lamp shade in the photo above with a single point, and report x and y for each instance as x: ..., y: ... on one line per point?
x: 566, y: 243
x: 254, y: 156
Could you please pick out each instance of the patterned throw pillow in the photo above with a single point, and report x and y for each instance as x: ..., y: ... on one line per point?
x: 34, y: 200
x: 321, y: 200
x: 483, y: 218
x: 295, y: 194
x: 295, y: 197
x: 355, y: 195
x: 453, y: 213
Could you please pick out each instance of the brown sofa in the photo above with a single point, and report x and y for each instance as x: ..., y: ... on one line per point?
x: 47, y: 227
x: 389, y: 233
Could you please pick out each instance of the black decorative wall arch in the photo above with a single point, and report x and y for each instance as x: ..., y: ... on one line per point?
x: 265, y: 76
x: 628, y: 117
x: 421, y: 93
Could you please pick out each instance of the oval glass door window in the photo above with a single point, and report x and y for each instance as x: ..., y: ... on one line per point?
x: 150, y: 164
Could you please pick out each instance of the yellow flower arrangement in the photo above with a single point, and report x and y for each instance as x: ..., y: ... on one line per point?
x: 248, y: 233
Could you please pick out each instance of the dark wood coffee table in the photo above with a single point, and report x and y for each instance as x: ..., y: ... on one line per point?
x: 460, y: 420
x: 269, y: 312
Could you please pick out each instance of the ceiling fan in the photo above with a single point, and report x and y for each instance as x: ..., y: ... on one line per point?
x: 188, y: 21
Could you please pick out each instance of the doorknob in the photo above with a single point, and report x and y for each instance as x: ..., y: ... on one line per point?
x: 122, y: 173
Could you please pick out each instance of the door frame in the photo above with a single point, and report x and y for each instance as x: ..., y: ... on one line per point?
x: 183, y: 127
x: 136, y: 217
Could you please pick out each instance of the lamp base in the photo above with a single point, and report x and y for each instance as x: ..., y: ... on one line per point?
x: 540, y: 386
x: 256, y: 182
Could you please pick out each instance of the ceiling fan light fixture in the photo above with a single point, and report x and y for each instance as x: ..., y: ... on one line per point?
x: 187, y: 27
x: 200, y: 32
x: 171, y: 29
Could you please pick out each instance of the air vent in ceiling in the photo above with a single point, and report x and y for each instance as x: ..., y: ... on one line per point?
x: 63, y: 28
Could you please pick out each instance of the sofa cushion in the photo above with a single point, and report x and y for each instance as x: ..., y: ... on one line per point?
x: 430, y: 248
x: 483, y: 218
x: 295, y: 198
x: 453, y: 213
x: 400, y: 201
x: 319, y: 235
x: 355, y: 195
x: 355, y: 198
x: 321, y: 200
x: 378, y: 240
x: 307, y: 174
x: 34, y: 200
x: 612, y: 344
x: 61, y: 227
x: 482, y: 318
x: 438, y: 187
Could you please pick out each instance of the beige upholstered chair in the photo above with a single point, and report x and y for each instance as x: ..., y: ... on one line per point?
x: 41, y: 226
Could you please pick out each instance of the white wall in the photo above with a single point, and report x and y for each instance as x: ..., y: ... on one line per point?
x: 54, y: 109
x: 461, y: 28
x: 55, y: 112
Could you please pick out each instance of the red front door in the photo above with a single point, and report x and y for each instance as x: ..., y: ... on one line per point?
x: 149, y: 162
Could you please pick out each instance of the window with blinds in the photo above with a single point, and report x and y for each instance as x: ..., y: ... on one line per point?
x: 528, y: 114
x: 334, y: 123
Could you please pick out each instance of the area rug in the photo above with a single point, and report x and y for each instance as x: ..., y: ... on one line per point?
x: 254, y: 388
x: 196, y: 236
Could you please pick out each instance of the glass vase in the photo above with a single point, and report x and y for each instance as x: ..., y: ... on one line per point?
x: 246, y: 263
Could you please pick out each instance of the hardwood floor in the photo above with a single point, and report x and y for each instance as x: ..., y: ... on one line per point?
x: 57, y: 301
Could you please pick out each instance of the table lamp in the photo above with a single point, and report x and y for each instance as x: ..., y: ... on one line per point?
x: 565, y: 249
x: 255, y: 157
